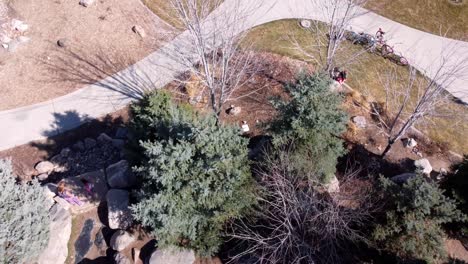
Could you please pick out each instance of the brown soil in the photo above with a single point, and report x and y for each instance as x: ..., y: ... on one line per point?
x: 100, y: 42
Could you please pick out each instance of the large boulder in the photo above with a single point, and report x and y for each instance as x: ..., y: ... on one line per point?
x: 60, y: 231
x: 173, y: 256
x: 120, y: 240
x: 424, y: 166
x: 120, y: 175
x: 119, y: 215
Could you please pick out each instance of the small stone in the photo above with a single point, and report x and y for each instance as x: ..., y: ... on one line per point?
x: 333, y: 186
x: 139, y: 30
x: 120, y: 240
x: 42, y: 176
x: 79, y: 146
x: 57, y: 159
x: 411, y: 143
x: 23, y: 39
x: 360, y: 121
x: 120, y: 258
x: 5, y: 46
x: 103, y: 138
x: 86, y: 3
x: 118, y: 143
x: 44, y: 167
x: 65, y: 152
x: 89, y: 143
x: 424, y: 166
x: 62, y: 42
x: 172, y: 255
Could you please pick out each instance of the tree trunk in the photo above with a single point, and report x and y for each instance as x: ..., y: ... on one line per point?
x: 387, y: 148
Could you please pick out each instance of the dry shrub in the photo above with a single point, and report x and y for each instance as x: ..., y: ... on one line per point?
x: 359, y: 99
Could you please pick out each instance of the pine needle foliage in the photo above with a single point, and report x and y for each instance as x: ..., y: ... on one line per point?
x: 195, y: 175
x: 311, y: 121
x: 415, y: 214
x: 24, y: 218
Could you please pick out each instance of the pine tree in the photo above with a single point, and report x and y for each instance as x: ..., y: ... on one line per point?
x: 415, y: 214
x: 195, y: 177
x: 24, y: 218
x: 310, y: 123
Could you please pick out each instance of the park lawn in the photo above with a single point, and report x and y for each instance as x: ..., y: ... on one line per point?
x: 363, y: 75
x: 439, y: 17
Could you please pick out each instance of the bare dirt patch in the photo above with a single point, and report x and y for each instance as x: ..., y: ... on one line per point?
x: 99, y: 40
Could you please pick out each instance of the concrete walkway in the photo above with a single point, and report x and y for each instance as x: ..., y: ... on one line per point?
x: 25, y: 124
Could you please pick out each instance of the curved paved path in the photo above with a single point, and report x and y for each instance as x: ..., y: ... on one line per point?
x: 22, y: 125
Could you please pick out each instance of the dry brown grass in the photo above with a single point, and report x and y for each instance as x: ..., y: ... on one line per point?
x: 363, y: 75
x: 436, y: 16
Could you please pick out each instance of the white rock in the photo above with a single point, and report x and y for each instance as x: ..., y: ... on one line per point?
x: 245, y: 127
x: 306, y: 23
x: 360, y: 121
x: 120, y: 240
x: 42, y: 176
x: 139, y: 30
x: 23, y: 39
x: 234, y: 110
x: 18, y: 25
x: 44, y: 167
x: 56, y: 251
x: 411, y: 143
x: 333, y: 186
x: 424, y: 166
x: 119, y: 215
x: 86, y: 3
x: 5, y: 46
x: 172, y: 256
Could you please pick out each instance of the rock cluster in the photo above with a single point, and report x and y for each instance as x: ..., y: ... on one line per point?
x: 12, y: 32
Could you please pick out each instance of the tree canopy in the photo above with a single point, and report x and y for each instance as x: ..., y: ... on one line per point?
x: 195, y: 175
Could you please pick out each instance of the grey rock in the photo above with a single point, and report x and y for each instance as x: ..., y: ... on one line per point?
x: 424, y: 166
x: 120, y: 258
x: 120, y: 175
x: 139, y: 30
x: 121, y: 133
x: 86, y: 3
x: 118, y: 143
x: 50, y: 190
x: 44, y: 167
x: 120, y: 240
x: 89, y: 143
x: 79, y: 146
x: 56, y: 251
x: 173, y: 256
x: 119, y: 215
x: 56, y: 159
x: 62, y: 42
x: 104, y: 138
x: 360, y: 121
x: 42, y: 176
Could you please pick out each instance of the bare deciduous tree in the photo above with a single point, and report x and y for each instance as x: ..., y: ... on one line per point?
x: 213, y: 47
x: 413, y: 99
x: 329, y: 33
x: 297, y: 223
